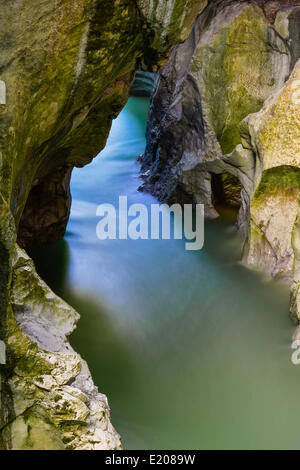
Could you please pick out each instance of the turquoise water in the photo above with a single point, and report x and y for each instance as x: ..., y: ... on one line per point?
x: 192, y: 349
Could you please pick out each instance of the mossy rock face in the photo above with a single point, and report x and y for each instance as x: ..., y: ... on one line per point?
x: 66, y: 69
x: 56, y: 71
x: 228, y: 102
x: 68, y: 72
x: 231, y: 63
x: 274, y: 135
x: 172, y: 20
x: 275, y: 130
x: 33, y: 431
x: 239, y: 61
x: 273, y: 213
x: 46, y: 411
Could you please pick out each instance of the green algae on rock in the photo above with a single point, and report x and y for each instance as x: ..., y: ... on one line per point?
x: 238, y: 40
x: 171, y: 20
x: 274, y: 136
x: 67, y: 75
x: 66, y: 69
x: 228, y: 101
x: 204, y: 92
x: 295, y: 289
x: 55, y: 403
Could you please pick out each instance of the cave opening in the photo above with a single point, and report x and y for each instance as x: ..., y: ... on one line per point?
x: 226, y: 195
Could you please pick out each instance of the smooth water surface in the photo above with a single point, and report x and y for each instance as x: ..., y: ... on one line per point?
x: 192, y: 349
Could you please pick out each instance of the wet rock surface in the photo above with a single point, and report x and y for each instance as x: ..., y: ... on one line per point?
x: 65, y: 74
x: 55, y: 404
x: 226, y: 104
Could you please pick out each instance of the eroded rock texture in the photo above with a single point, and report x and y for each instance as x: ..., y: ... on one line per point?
x: 66, y: 69
x: 227, y: 103
x: 274, y: 138
x: 55, y: 403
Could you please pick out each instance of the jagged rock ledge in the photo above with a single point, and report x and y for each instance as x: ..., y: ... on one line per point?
x: 226, y: 106
x: 55, y: 404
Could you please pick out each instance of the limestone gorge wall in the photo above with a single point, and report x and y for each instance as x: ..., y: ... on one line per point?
x: 66, y: 68
x: 225, y: 119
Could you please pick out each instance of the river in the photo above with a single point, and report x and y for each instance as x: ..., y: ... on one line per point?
x: 192, y: 349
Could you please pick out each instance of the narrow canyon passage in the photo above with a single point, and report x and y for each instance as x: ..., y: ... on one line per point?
x: 192, y: 349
